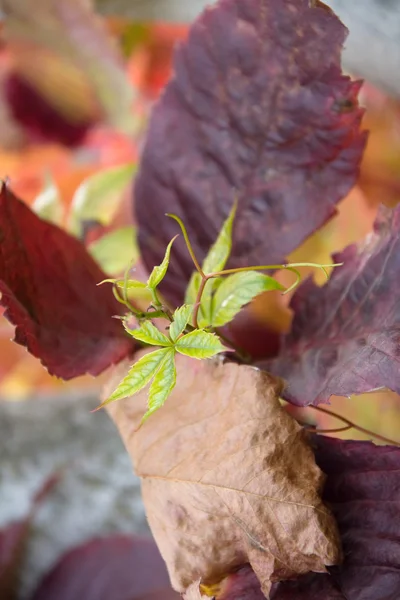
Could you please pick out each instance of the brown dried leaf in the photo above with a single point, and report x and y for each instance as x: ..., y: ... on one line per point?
x: 193, y: 592
x: 228, y: 478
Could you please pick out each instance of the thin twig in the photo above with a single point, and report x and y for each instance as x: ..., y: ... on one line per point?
x: 337, y: 430
x: 353, y: 425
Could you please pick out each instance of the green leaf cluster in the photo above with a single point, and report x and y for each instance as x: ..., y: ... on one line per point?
x: 158, y: 367
x: 224, y: 296
x: 215, y: 295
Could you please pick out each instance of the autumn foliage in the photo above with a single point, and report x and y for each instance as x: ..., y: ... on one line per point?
x: 243, y: 501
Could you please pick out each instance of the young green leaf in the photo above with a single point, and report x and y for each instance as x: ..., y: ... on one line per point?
x: 148, y: 334
x: 48, y: 205
x: 199, y: 344
x: 236, y: 291
x: 131, y: 284
x: 162, y: 385
x: 204, y: 317
x: 138, y: 376
x: 180, y: 319
x: 115, y: 250
x: 158, y: 273
x: 221, y: 249
x: 99, y: 196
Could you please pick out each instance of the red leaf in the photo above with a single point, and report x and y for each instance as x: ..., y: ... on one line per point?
x: 363, y: 490
x: 12, y: 543
x: 345, y: 336
x: 48, y: 285
x: 114, y: 568
x: 257, y: 110
x: 41, y: 121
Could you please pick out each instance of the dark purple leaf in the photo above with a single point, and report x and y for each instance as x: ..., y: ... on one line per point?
x: 363, y: 490
x: 48, y: 285
x: 257, y: 110
x: 13, y: 539
x: 118, y: 567
x: 345, y: 337
x: 242, y: 585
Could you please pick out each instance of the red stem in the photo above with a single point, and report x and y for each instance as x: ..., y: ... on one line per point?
x: 350, y: 425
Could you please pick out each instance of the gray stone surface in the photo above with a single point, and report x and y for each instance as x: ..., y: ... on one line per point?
x: 98, y: 492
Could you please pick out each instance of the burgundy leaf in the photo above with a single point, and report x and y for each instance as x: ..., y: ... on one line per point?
x: 242, y: 585
x: 40, y: 121
x: 118, y: 567
x: 363, y: 490
x: 257, y: 110
x: 48, y: 285
x: 345, y: 336
x: 13, y: 540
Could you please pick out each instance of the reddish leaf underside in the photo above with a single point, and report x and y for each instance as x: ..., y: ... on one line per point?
x: 363, y: 490
x: 48, y: 285
x: 257, y: 110
x: 345, y: 336
x: 114, y: 568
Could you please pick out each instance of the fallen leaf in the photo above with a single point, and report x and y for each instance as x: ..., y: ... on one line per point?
x: 257, y: 111
x: 193, y: 592
x: 363, y: 490
x: 48, y: 285
x: 13, y: 539
x: 227, y: 477
x: 345, y: 335
x: 116, y: 567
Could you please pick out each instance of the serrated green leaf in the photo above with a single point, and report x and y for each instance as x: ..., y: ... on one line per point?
x: 180, y: 319
x: 99, y: 196
x: 236, y: 291
x: 48, y: 205
x: 204, y: 316
x: 219, y: 252
x: 138, y: 376
x: 148, y: 334
x: 163, y: 384
x: 115, y: 250
x: 199, y: 344
x: 136, y: 289
x: 158, y: 273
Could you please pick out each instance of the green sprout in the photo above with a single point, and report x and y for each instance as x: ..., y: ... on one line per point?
x: 214, y: 297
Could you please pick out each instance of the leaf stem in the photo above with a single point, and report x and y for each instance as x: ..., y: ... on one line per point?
x: 204, y: 279
x: 289, y: 266
x: 351, y: 425
x: 187, y: 242
x: 337, y: 430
